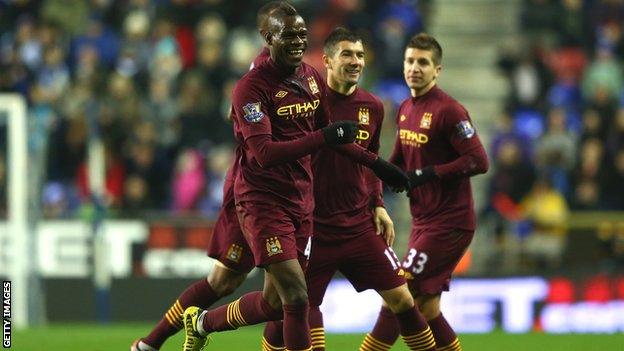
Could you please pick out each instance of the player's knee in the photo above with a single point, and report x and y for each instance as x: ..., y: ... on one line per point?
x: 226, y: 288
x: 429, y: 307
x: 400, y: 302
x: 225, y: 284
x: 295, y: 296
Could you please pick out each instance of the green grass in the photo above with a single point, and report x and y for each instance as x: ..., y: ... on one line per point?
x: 89, y: 337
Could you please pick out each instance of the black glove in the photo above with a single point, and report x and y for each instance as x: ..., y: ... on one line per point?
x: 390, y: 174
x: 421, y: 176
x: 340, y: 132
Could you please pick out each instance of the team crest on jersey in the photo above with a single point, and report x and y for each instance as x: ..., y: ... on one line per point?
x: 313, y: 86
x: 234, y: 253
x: 425, y: 121
x: 273, y: 246
x: 280, y: 94
x: 465, y: 130
x: 364, y: 116
x: 402, y: 118
x: 252, y: 112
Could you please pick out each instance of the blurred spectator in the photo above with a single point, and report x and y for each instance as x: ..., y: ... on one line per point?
x: 188, y: 181
x: 98, y: 36
x: 160, y: 109
x: 556, y: 151
x: 165, y: 60
x: 527, y: 75
x: 589, y: 173
x: 603, y: 73
x: 512, y: 179
x: 216, y: 167
x: 546, y: 210
x: 506, y: 132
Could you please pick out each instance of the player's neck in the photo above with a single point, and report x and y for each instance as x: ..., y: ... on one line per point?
x: 282, y: 67
x: 343, y: 89
x: 424, y: 90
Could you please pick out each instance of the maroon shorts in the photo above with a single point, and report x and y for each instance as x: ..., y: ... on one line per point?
x: 432, y: 256
x: 365, y: 260
x: 228, y: 245
x: 274, y: 234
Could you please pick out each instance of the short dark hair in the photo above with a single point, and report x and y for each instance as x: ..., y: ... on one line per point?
x: 269, y: 9
x: 424, y: 41
x: 337, y: 35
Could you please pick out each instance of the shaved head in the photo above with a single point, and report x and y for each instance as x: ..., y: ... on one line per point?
x: 265, y: 12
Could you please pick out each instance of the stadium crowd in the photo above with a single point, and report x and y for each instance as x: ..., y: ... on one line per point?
x: 559, y: 144
x: 154, y: 79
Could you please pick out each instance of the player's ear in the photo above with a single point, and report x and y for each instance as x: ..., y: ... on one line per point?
x: 438, y: 69
x: 326, y: 61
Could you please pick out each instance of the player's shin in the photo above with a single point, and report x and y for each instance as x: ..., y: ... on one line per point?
x: 415, y: 331
x: 317, y: 330
x: 445, y: 337
x: 296, y: 327
x: 384, y: 334
x: 250, y: 309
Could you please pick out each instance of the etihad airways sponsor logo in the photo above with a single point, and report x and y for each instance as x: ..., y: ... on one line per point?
x: 300, y: 110
x: 412, y: 138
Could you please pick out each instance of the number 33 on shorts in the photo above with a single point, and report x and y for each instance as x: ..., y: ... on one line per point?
x: 416, y: 260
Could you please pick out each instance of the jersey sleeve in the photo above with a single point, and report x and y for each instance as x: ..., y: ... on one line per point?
x: 458, y: 129
x: 250, y: 109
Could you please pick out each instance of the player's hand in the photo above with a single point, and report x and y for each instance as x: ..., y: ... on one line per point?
x: 340, y: 132
x: 383, y: 224
x: 390, y: 174
x: 421, y: 176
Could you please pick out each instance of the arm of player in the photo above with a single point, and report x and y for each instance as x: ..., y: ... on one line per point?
x: 270, y: 153
x: 384, y: 170
x: 461, y: 134
x: 373, y: 183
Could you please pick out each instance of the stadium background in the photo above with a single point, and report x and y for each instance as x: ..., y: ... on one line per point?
x: 151, y: 80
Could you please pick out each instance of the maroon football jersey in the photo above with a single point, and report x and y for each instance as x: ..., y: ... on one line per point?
x: 228, y: 186
x: 434, y: 129
x: 284, y: 106
x: 342, y: 188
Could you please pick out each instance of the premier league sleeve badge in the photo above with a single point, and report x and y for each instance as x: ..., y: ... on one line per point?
x: 465, y: 130
x: 252, y: 112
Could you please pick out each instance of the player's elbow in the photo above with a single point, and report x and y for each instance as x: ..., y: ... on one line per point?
x: 481, y: 163
x: 478, y: 163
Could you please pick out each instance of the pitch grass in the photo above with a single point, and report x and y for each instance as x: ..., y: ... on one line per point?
x: 90, y: 337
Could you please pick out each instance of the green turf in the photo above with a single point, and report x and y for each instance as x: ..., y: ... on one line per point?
x: 86, y: 337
